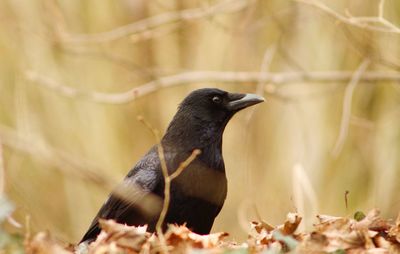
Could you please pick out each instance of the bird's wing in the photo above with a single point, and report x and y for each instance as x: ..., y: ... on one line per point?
x: 132, y: 195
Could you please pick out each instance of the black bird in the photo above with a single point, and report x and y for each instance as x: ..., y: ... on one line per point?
x: 198, y: 193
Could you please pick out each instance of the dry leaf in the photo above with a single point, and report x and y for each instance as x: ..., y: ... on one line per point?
x: 42, y: 243
x: 371, y: 234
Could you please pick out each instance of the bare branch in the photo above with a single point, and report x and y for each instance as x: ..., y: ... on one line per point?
x: 167, y: 188
x: 267, y: 59
x: 303, y: 191
x: 381, y: 8
x: 367, y: 49
x: 155, y: 33
x: 261, y: 86
x: 63, y: 161
x: 183, y: 165
x: 362, y: 123
x: 117, y: 60
x: 378, y: 23
x: 346, y: 115
x: 13, y: 222
x: 206, y: 76
x: 70, y: 166
x: 167, y: 178
x: 155, y: 21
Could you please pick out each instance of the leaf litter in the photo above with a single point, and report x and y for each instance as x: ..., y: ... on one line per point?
x: 368, y: 233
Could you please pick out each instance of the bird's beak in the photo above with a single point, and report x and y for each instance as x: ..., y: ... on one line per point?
x: 241, y: 101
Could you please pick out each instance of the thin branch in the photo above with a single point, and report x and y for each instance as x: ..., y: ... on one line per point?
x: 204, y: 77
x: 281, y: 49
x: 260, y: 89
x: 167, y: 178
x: 366, y: 49
x: 72, y: 166
x: 347, y: 100
x: 119, y: 61
x: 155, y: 21
x: 381, y: 8
x: 61, y: 160
x: 362, y: 22
x: 13, y: 222
x: 261, y: 86
x: 362, y: 123
x: 265, y: 66
x: 167, y: 188
x: 303, y: 190
x: 155, y: 33
x: 185, y: 164
x: 167, y: 183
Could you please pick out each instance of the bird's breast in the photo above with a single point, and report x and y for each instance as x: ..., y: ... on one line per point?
x: 201, y: 182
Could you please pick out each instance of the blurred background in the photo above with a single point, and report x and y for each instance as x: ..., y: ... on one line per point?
x: 75, y: 75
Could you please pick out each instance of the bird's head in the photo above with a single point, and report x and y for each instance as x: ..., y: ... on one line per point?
x: 204, y: 113
x: 215, y: 105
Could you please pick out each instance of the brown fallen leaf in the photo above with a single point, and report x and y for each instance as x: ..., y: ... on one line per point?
x: 371, y: 234
x: 43, y: 243
x: 176, y: 235
x: 116, y: 237
x: 372, y: 222
x: 291, y: 224
x: 394, y: 231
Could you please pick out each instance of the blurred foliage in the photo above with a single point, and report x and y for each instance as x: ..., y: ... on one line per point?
x: 9, y: 242
x: 63, y: 151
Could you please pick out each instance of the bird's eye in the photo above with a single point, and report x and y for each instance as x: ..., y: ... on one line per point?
x: 217, y: 99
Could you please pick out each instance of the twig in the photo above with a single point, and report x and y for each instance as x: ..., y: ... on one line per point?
x: 242, y: 214
x: 346, y: 115
x: 152, y: 34
x: 367, y: 49
x: 361, y: 22
x: 155, y: 21
x: 119, y: 61
x: 267, y: 59
x: 302, y: 188
x: 381, y: 7
x: 362, y: 122
x: 167, y: 188
x: 261, y: 86
x: 260, y: 89
x: 183, y: 165
x: 206, y: 76
x: 167, y: 178
x: 281, y: 49
x: 69, y: 165
x: 346, y: 199
x: 13, y: 222
x: 63, y: 161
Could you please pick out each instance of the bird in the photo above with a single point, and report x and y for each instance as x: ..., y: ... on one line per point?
x: 197, y: 194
